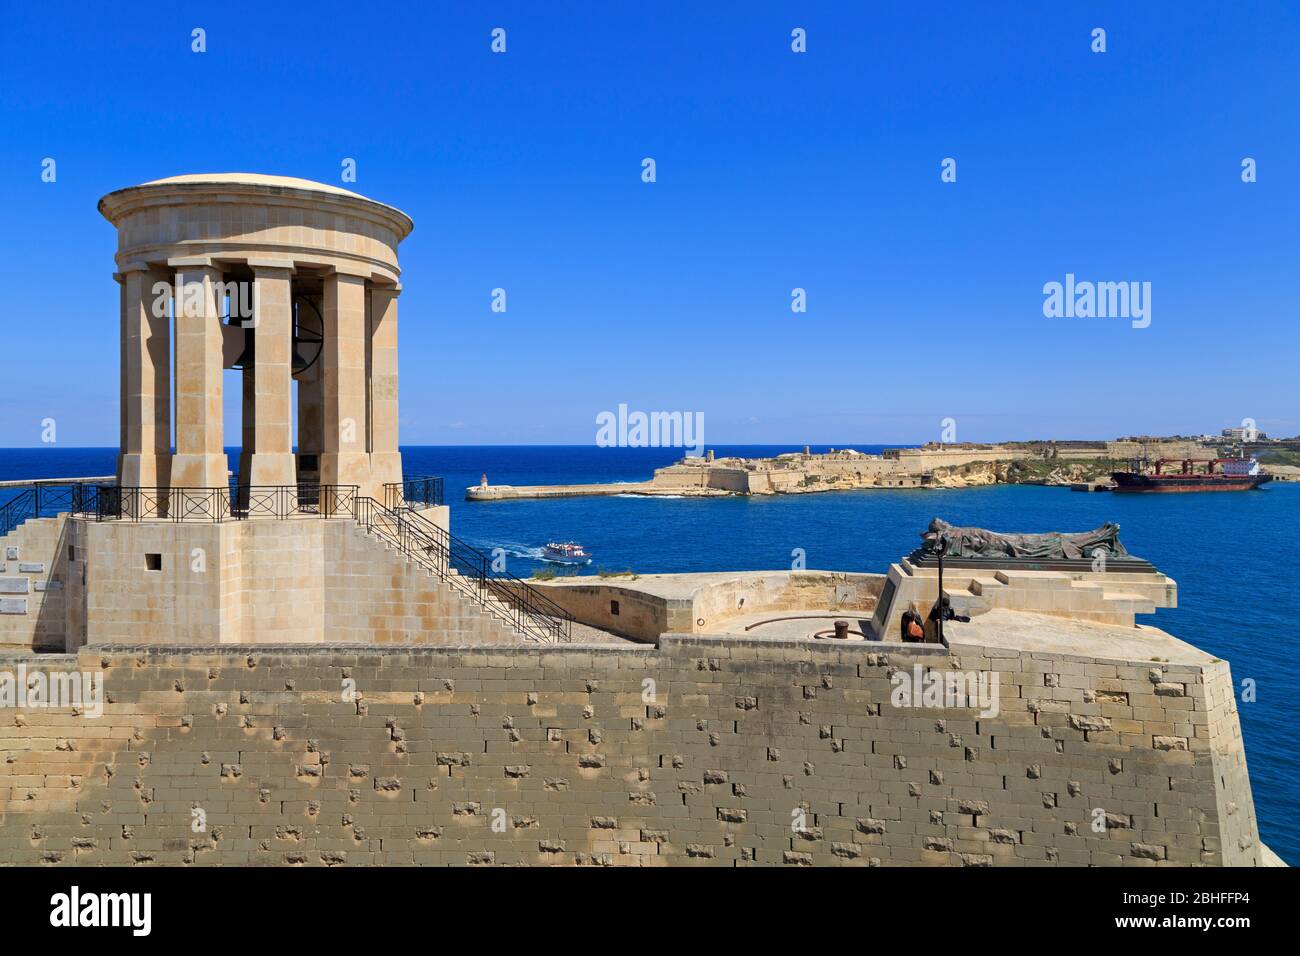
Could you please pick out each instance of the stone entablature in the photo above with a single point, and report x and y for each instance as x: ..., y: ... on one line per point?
x: 237, y: 216
x: 297, y: 245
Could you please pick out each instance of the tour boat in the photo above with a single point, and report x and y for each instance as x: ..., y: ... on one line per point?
x: 1234, y: 474
x: 565, y: 552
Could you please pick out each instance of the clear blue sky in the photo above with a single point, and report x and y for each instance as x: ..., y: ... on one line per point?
x: 775, y: 170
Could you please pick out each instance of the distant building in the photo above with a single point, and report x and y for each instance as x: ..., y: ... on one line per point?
x: 1243, y: 434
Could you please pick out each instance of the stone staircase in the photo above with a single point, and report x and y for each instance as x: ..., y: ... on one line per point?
x: 1104, y: 597
x: 523, y: 611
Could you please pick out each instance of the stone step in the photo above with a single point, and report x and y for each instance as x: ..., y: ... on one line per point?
x: 964, y: 602
x: 983, y: 584
x: 1129, y: 602
x: 500, y: 611
x: 1034, y: 579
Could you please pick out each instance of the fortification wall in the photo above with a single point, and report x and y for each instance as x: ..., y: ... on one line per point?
x: 784, y: 591
x: 1170, y: 449
x: 919, y: 460
x: 704, y: 751
x: 301, y: 580
x: 692, y: 604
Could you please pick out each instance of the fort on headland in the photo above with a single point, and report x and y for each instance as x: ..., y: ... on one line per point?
x: 301, y: 665
x: 929, y: 466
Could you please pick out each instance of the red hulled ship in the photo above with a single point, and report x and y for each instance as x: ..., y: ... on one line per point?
x: 1218, y: 474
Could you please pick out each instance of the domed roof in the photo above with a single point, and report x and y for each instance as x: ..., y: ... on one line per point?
x: 255, y: 179
x: 115, y: 201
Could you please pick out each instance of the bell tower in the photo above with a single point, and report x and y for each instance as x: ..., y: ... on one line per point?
x: 289, y: 281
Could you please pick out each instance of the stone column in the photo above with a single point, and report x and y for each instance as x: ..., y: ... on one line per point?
x: 200, y: 460
x: 344, y: 460
x: 271, y: 461
x: 385, y: 459
x: 145, y: 457
x: 123, y: 390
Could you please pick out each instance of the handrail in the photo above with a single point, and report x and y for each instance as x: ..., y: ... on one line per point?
x: 46, y: 498
x: 536, y: 597
x: 28, y: 482
x: 464, y: 567
x: 234, y: 502
x: 467, y: 569
x: 412, y: 490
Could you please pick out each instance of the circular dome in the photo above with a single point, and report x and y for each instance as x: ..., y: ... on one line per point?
x: 255, y: 179
x: 112, y: 204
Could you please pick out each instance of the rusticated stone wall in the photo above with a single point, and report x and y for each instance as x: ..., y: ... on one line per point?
x: 703, y: 751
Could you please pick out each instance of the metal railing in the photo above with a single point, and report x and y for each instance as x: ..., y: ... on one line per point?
x: 409, y: 492
x: 469, y: 571
x: 464, y: 567
x: 45, y: 499
x: 235, y: 502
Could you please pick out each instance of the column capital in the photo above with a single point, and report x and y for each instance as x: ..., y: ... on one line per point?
x: 192, y: 262
x: 269, y: 265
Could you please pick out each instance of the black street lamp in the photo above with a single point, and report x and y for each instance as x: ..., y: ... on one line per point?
x: 941, y: 549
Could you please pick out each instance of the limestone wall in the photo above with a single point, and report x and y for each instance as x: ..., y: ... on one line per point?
x: 35, y: 573
x: 623, y: 609
x: 785, y: 591
x: 736, y: 753
x: 305, y: 580
x: 652, y: 605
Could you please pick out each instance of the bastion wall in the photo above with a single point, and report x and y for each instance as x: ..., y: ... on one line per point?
x: 300, y: 580
x: 646, y: 606
x: 703, y: 751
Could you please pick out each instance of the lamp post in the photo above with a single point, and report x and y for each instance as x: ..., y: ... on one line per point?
x: 941, y: 549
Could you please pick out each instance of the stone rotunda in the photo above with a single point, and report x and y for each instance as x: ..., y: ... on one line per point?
x: 285, y: 279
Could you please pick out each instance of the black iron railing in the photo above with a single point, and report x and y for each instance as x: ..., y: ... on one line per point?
x: 464, y: 567
x: 470, y: 571
x: 235, y: 502
x: 283, y: 501
x: 45, y: 499
x: 413, y: 492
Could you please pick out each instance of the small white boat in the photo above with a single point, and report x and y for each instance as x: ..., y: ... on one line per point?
x: 565, y: 552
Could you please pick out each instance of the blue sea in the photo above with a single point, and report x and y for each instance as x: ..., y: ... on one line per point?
x: 1237, y: 570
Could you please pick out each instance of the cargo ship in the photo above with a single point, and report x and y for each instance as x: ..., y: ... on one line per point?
x: 1218, y: 474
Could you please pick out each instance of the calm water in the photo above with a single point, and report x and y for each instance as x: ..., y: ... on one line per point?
x: 1237, y: 569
